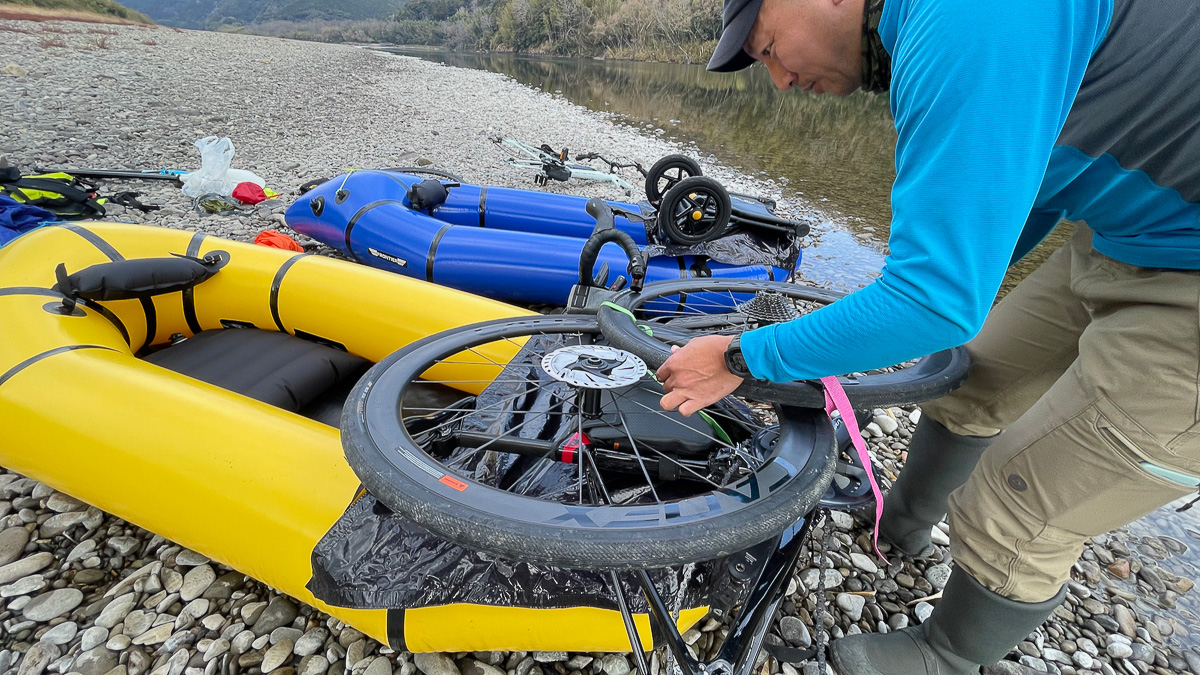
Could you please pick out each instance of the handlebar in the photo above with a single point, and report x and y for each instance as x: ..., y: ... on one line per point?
x: 604, y: 233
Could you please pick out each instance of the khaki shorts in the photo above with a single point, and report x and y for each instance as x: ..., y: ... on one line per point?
x: 1091, y: 367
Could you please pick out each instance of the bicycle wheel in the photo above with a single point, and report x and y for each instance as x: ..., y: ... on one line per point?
x: 560, y: 454
x: 672, y: 312
x: 666, y: 172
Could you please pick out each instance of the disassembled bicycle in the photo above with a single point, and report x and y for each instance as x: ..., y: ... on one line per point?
x: 638, y: 488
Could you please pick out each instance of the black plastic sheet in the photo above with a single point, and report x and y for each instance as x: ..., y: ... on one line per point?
x: 373, y: 558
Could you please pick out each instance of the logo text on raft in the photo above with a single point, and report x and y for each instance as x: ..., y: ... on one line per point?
x: 394, y: 259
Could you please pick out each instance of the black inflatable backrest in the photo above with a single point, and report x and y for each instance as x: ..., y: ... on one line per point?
x: 138, y: 278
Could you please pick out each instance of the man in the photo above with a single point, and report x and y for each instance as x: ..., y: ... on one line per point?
x: 1011, y: 116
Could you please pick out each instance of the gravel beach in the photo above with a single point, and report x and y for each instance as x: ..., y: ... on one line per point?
x: 83, y: 592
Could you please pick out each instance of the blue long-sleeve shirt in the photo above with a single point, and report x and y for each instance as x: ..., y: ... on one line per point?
x: 1011, y: 116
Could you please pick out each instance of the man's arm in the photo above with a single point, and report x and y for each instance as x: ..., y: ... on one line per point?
x: 980, y: 92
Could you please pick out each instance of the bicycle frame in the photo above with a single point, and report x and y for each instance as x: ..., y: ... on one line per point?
x: 530, y: 158
x: 750, y: 625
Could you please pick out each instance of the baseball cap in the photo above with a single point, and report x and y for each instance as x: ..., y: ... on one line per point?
x: 736, y: 21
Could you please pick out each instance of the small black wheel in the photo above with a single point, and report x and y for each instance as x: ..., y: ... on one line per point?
x: 559, y: 453
x: 694, y: 211
x: 668, y: 171
x: 669, y: 313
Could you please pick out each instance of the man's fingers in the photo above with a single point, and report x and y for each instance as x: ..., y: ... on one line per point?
x: 672, y: 400
x: 690, y: 406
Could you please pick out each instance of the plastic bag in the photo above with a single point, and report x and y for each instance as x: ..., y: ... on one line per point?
x: 215, y: 156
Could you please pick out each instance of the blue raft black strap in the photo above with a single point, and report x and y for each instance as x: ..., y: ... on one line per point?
x: 94, y: 306
x: 433, y: 246
x: 482, y: 204
x: 46, y: 354
x: 683, y: 274
x: 276, y: 283
x: 395, y: 630
x: 115, y: 256
x: 359, y: 214
x: 189, y: 298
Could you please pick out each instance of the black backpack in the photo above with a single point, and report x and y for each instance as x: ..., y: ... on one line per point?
x: 60, y: 193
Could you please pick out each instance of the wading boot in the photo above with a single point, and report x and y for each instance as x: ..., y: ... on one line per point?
x: 970, y: 627
x: 938, y: 463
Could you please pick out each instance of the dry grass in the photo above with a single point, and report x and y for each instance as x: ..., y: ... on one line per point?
x: 48, y: 42
x: 29, y: 13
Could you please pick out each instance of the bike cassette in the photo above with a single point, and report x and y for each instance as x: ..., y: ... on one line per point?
x: 768, y: 307
x: 594, y: 366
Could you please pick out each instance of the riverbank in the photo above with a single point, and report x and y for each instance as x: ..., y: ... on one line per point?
x: 298, y: 111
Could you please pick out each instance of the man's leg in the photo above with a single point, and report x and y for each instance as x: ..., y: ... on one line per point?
x: 1030, y: 338
x: 1117, y: 436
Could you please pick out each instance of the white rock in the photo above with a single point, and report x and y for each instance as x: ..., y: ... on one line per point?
x: 196, y: 581
x: 23, y: 586
x: 277, y: 655
x: 864, y: 563
x: 93, y: 637
x: 54, y: 604
x: 62, y: 633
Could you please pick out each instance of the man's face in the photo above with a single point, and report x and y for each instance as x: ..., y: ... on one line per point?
x: 814, y: 45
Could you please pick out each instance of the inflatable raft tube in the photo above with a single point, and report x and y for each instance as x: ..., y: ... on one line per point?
x: 244, y: 482
x: 503, y: 243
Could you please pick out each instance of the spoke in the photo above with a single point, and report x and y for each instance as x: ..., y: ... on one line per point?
x: 673, y: 460
x: 484, y: 357
x: 633, y: 443
x: 675, y: 421
x: 471, y: 411
x: 462, y: 460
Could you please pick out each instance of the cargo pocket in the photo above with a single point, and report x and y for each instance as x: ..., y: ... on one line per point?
x: 1088, y: 476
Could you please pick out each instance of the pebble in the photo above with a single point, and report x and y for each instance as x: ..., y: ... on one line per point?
x: 53, y: 604
x: 12, y: 544
x: 277, y: 655
x: 279, y: 612
x: 852, y: 605
x: 196, y: 581
x: 25, y: 567
x: 938, y: 576
x: 435, y: 664
x: 864, y: 563
x: 62, y: 633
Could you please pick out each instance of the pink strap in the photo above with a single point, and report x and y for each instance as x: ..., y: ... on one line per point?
x: 836, y: 399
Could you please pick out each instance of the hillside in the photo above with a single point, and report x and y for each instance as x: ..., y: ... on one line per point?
x: 213, y: 14
x: 104, y: 8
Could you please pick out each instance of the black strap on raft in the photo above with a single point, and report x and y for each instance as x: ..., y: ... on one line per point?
x: 129, y: 200
x: 428, y: 194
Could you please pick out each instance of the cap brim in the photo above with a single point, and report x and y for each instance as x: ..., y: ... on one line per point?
x: 729, y: 55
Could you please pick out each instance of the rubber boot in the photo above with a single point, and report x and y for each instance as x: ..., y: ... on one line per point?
x: 939, y: 462
x: 970, y: 627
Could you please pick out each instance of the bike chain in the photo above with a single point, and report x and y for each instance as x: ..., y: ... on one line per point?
x: 819, y: 637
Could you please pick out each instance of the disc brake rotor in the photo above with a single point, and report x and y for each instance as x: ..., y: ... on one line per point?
x: 594, y: 366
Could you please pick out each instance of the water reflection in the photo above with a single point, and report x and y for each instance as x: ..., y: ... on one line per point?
x: 837, y: 153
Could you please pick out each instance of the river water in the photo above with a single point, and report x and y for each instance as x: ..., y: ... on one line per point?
x: 837, y: 155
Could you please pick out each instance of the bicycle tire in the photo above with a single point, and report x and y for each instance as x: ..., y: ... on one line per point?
x: 932, y: 376
x: 404, y: 478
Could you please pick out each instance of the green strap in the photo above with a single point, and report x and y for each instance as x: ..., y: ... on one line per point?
x: 626, y: 312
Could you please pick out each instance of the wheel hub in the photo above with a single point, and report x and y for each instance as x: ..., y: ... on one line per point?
x: 768, y: 307
x: 594, y: 366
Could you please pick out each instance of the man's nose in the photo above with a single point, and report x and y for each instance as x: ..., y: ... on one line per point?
x: 783, y: 78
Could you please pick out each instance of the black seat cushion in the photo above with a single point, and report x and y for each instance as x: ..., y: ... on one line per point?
x: 275, y: 368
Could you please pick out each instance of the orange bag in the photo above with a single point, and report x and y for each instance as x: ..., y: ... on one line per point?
x: 277, y: 239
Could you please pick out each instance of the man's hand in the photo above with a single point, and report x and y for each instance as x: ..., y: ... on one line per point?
x: 695, y: 375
